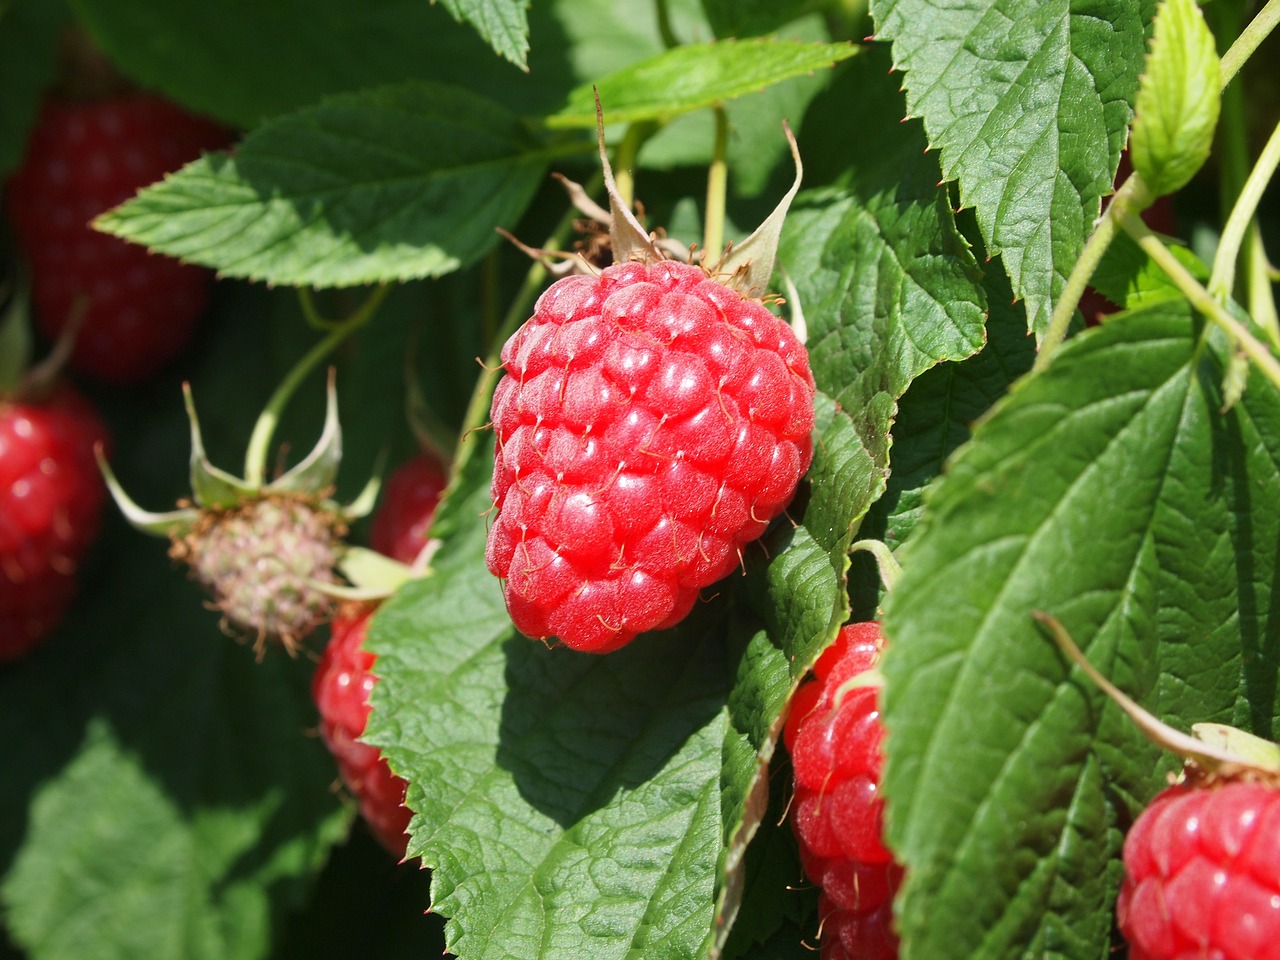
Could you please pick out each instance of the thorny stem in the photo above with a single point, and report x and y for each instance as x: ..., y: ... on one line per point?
x: 1223, y: 277
x: 1198, y: 296
x: 1249, y: 40
x: 717, y: 187
x: 255, y: 460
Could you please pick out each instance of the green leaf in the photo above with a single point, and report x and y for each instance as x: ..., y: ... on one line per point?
x: 1027, y: 103
x: 28, y: 61
x: 1178, y: 99
x: 1111, y: 492
x: 504, y: 25
x: 561, y: 799
x: 936, y: 415
x: 694, y: 76
x: 747, y: 18
x: 887, y: 284
x: 288, y: 54
x: 389, y: 184
x: 1128, y: 277
x: 172, y: 804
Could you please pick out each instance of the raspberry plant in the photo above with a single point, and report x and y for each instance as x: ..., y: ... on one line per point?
x: 164, y: 794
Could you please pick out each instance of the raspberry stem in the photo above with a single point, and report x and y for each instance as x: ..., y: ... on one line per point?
x: 255, y: 460
x: 478, y: 408
x: 717, y: 187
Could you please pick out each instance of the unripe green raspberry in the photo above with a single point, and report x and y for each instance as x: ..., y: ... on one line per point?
x: 260, y: 560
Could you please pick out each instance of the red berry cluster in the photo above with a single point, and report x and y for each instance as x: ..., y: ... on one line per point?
x: 834, y: 735
x: 651, y: 423
x: 51, y: 497
x: 341, y: 688
x: 84, y: 158
x: 1201, y: 876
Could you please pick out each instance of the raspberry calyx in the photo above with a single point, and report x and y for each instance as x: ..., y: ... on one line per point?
x: 264, y: 551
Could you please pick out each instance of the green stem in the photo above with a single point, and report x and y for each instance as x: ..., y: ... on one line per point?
x: 255, y: 460
x: 477, y: 414
x: 1261, y: 300
x: 1223, y: 277
x: 1132, y: 193
x: 717, y: 188
x: 1198, y: 296
x: 664, y: 25
x: 1250, y: 39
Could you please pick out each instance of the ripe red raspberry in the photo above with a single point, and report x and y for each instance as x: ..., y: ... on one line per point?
x: 51, y: 496
x: 409, y: 499
x: 834, y: 734
x: 83, y: 159
x: 1202, y: 874
x: 651, y: 423
x: 341, y: 687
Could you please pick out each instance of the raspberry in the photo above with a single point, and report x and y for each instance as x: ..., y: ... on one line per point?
x: 833, y: 734
x: 341, y: 687
x: 83, y: 159
x: 651, y: 423
x: 261, y: 561
x: 409, y: 499
x: 1202, y: 874
x: 51, y: 498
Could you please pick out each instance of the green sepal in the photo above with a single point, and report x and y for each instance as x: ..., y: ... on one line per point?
x: 316, y: 472
x: 171, y: 524
x: 627, y: 238
x: 1178, y: 100
x: 751, y: 262
x: 1253, y: 752
x: 372, y: 575
x: 210, y: 487
x: 365, y: 500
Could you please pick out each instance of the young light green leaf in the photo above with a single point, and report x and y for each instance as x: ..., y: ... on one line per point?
x: 694, y: 76
x: 388, y: 184
x: 1178, y: 99
x: 504, y: 25
x: 1028, y: 103
x: 1111, y: 492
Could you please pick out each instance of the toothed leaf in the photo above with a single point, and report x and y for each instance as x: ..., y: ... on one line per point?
x: 1178, y: 100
